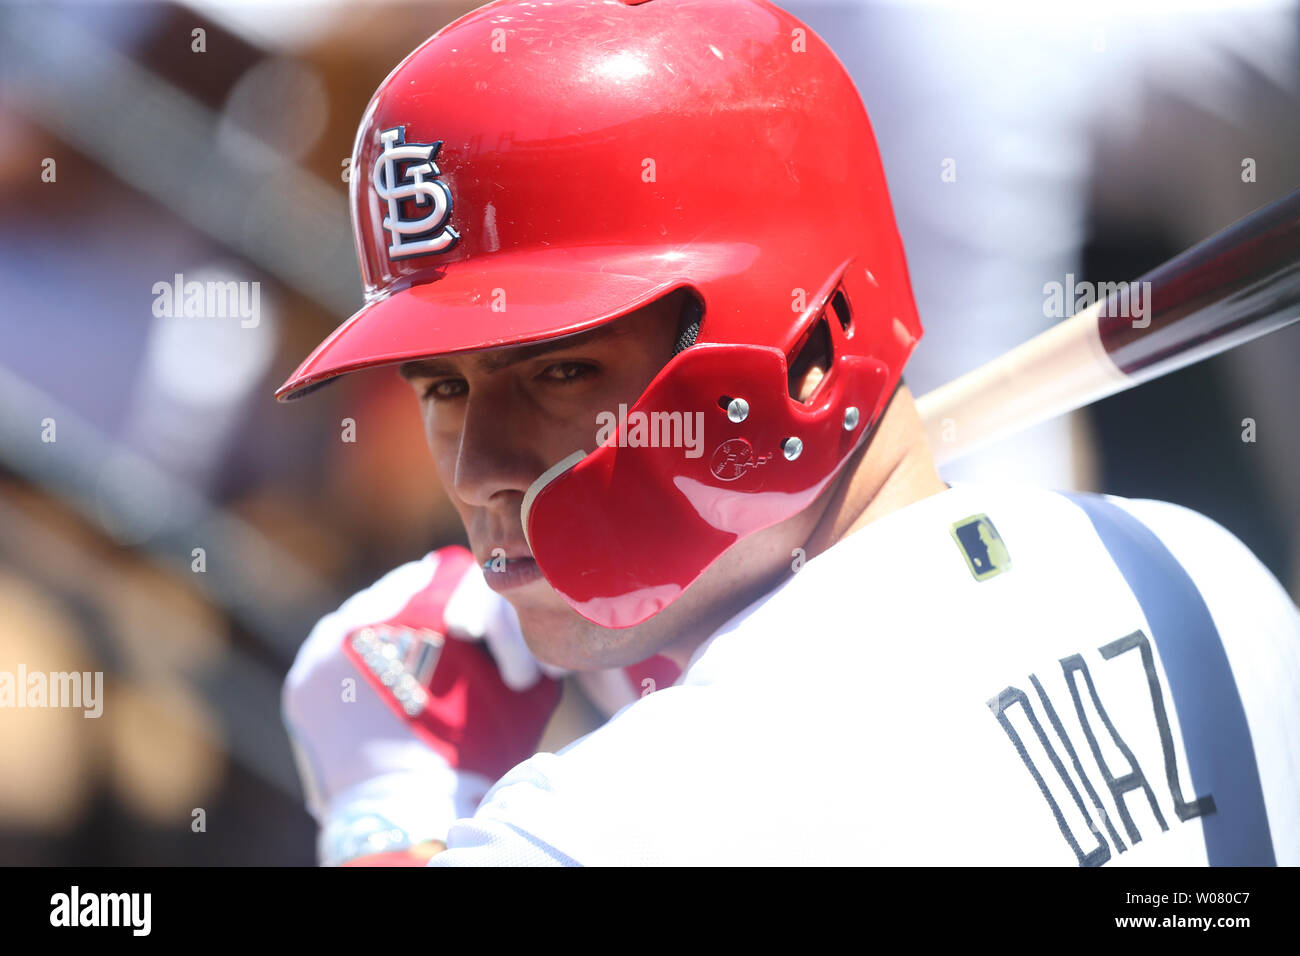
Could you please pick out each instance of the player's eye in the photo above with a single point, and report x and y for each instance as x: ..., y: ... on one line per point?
x: 445, y: 388
x: 564, y: 373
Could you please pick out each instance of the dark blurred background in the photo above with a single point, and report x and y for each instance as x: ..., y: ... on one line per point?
x: 164, y: 521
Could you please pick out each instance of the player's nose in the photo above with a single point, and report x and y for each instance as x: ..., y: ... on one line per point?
x: 497, y: 458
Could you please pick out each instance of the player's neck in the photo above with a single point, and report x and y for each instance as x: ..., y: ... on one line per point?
x: 894, y: 469
x: 890, y: 472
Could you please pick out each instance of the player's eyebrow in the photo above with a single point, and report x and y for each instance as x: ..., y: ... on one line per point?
x: 497, y: 360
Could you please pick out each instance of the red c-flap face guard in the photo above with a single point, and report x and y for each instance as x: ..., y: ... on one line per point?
x: 620, y: 533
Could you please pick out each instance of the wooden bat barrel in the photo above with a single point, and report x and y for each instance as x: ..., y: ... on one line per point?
x: 1239, y: 284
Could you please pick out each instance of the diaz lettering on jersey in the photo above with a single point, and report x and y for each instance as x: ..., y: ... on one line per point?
x: 1118, y: 780
x: 403, y: 174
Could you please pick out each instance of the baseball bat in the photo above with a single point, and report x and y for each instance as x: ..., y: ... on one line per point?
x: 1239, y: 284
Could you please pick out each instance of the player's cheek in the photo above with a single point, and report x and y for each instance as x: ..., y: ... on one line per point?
x: 559, y: 418
x: 443, y: 438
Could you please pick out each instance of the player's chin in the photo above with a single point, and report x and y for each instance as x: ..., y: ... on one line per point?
x: 561, y: 637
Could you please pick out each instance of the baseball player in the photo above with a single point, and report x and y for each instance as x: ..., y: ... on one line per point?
x: 638, y: 263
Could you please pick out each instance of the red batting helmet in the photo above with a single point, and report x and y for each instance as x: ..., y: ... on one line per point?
x: 578, y: 159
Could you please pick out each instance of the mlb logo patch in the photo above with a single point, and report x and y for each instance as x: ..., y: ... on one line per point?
x: 981, y: 546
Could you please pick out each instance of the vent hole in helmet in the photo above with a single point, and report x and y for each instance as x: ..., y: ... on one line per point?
x: 811, y: 363
x: 688, y: 326
x: 840, y: 306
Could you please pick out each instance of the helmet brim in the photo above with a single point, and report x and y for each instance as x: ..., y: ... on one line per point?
x: 514, y: 299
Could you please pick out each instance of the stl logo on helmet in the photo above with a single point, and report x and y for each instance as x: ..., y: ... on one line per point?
x: 403, y: 171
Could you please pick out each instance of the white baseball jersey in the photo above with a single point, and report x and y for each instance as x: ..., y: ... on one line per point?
x: 992, y: 675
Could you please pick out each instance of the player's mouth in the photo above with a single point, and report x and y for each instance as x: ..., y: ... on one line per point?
x: 504, y: 574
